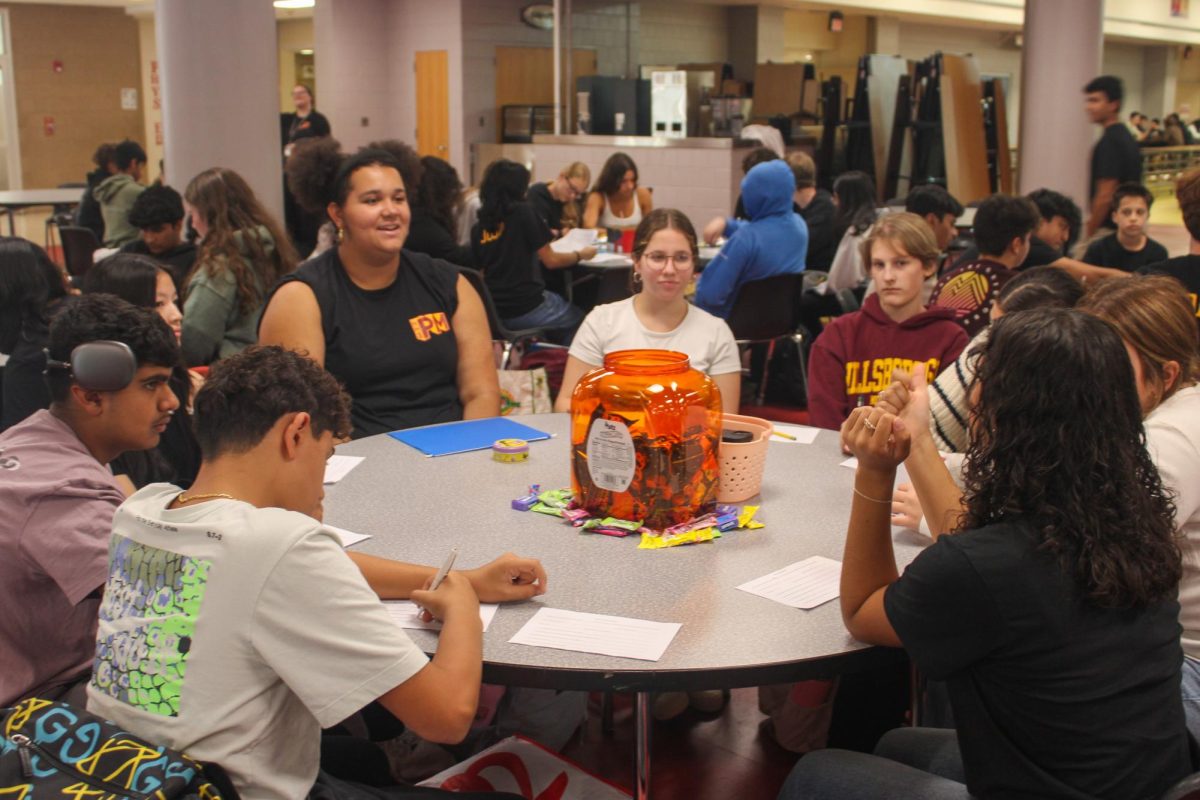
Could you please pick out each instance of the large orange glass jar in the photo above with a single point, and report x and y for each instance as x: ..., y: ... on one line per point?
x: 645, y: 433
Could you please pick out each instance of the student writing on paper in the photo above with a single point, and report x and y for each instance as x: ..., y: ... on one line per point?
x: 404, y: 333
x: 285, y: 631
x: 1050, y: 613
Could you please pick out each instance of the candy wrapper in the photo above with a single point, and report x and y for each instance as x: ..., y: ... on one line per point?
x: 746, y: 518
x: 652, y: 541
x: 553, y: 501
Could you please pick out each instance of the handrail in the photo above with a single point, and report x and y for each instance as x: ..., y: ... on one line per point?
x: 1162, y: 166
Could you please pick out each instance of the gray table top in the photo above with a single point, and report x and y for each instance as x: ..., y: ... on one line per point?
x: 417, y: 508
x: 17, y: 198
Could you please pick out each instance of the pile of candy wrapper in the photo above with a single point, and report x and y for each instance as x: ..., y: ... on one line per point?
x: 705, y: 528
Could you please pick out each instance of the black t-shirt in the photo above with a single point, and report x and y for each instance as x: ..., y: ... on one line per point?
x: 393, y: 349
x: 24, y: 388
x: 549, y: 210
x: 1186, y: 270
x: 1040, y: 255
x: 818, y: 216
x: 1116, y: 156
x: 292, y: 128
x: 1108, y: 252
x: 426, y: 235
x: 1053, y: 697
x: 178, y: 260
x: 507, y: 254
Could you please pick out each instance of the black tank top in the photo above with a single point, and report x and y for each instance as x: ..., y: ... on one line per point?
x: 392, y: 348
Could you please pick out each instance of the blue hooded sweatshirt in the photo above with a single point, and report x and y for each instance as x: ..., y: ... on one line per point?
x: 773, y: 242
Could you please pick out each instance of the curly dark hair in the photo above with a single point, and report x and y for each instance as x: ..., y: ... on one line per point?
x: 157, y: 205
x: 311, y: 170
x: 1187, y: 192
x: 504, y: 185
x: 126, y: 153
x: 106, y: 317
x: 407, y: 160
x: 438, y: 193
x: 246, y: 394
x: 1048, y: 380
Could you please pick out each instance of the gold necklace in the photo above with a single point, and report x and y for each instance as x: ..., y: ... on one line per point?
x: 183, y: 498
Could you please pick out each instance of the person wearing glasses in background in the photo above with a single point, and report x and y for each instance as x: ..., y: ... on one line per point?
x: 658, y: 316
x: 557, y: 201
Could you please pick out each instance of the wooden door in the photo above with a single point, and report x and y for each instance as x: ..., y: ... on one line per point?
x: 525, y: 76
x: 433, y: 104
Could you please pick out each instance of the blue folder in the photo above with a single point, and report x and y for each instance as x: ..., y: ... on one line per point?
x: 462, y: 437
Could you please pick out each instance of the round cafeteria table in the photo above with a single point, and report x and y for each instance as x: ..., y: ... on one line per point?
x: 416, y: 508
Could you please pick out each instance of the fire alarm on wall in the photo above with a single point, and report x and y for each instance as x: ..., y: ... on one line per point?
x: 56, y: 65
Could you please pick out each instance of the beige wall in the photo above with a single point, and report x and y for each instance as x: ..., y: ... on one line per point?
x: 99, y: 51
x: 294, y: 35
x: 152, y: 136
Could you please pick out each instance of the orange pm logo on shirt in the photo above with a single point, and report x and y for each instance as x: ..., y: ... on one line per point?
x: 424, y: 326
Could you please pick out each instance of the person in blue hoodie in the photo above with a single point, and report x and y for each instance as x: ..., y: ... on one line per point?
x: 773, y: 242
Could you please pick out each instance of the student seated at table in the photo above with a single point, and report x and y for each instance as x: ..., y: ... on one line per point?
x: 88, y: 214
x: 854, y: 193
x: 556, y: 202
x: 511, y: 243
x: 720, y: 227
x: 1154, y: 317
x: 404, y: 333
x: 616, y: 201
x: 818, y: 210
x: 147, y: 284
x: 432, y: 229
x: 108, y: 371
x: 852, y: 360
x: 32, y: 291
x: 1050, y: 612
x: 117, y: 192
x: 658, y: 316
x: 230, y: 566
x: 243, y: 251
x: 1128, y: 248
x: 1003, y: 225
x: 773, y: 242
x: 157, y: 213
x: 940, y: 210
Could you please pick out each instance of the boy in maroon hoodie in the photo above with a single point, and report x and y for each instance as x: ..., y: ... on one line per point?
x: 852, y: 360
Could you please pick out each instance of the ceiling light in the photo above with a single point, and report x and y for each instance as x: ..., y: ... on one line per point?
x: 306, y: 51
x: 294, y: 3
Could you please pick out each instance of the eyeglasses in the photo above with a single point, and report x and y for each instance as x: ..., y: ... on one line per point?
x: 659, y: 260
x: 575, y: 191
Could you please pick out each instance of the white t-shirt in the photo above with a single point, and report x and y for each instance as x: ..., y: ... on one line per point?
x: 706, y: 340
x: 235, y: 634
x: 1173, y: 441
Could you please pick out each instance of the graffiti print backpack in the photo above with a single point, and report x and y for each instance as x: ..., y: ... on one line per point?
x: 53, y: 751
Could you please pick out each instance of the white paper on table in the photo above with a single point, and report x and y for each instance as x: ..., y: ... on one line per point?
x: 597, y: 633
x: 804, y: 584
x: 338, y: 467
x: 850, y: 463
x: 610, y: 260
x: 803, y: 433
x: 575, y: 239
x: 348, y: 537
x: 407, y: 614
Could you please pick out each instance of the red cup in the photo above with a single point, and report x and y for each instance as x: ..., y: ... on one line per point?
x: 627, y: 241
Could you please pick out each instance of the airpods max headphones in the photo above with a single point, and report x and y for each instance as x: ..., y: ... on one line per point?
x: 101, y: 366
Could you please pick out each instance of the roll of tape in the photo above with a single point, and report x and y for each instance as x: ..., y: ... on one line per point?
x: 510, y: 451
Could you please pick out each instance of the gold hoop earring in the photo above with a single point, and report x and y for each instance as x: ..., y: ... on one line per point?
x: 341, y: 234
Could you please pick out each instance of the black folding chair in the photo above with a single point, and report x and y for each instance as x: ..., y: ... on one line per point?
x: 765, y: 312
x: 78, y: 246
x: 500, y: 333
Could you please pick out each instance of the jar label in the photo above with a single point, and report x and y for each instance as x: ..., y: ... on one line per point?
x: 610, y: 454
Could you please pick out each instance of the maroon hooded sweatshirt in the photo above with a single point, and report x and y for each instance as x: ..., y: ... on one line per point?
x: 852, y: 360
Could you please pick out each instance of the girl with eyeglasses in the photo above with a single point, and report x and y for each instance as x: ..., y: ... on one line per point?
x: 658, y: 316
x: 557, y: 201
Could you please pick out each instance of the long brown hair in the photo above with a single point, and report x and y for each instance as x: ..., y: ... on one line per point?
x: 1153, y: 314
x: 228, y: 206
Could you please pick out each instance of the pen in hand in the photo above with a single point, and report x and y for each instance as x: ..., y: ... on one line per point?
x: 442, y: 572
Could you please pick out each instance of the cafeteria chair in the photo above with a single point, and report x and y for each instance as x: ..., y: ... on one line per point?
x: 79, y: 244
x: 500, y: 333
x: 765, y: 312
x: 62, y: 214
